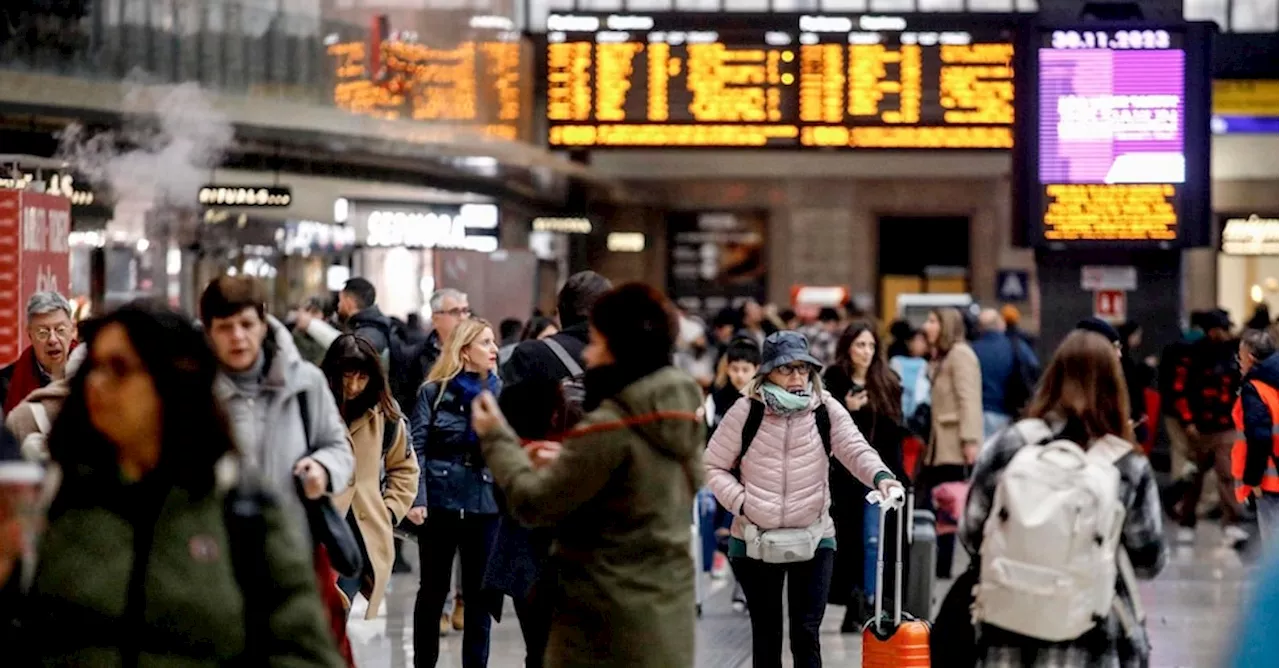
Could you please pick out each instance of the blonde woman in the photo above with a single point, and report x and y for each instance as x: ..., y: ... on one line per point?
x: 457, y: 488
x: 956, y: 430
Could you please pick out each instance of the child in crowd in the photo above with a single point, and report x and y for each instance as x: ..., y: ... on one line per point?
x: 738, y: 366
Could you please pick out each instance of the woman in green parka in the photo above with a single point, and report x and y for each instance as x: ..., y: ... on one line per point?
x: 156, y: 554
x: 618, y: 491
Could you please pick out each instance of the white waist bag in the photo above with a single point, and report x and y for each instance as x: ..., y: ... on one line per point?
x: 782, y: 546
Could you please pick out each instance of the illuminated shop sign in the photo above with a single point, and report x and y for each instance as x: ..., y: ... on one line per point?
x: 469, y: 226
x: 58, y: 184
x: 1251, y: 236
x: 563, y: 225
x: 255, y: 196
x: 625, y: 242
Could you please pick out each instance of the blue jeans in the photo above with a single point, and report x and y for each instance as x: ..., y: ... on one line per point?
x: 992, y: 423
x: 1268, y: 518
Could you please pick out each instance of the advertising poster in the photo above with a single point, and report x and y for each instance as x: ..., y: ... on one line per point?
x: 717, y: 259
x: 1111, y: 116
x: 34, y: 256
x: 11, y: 311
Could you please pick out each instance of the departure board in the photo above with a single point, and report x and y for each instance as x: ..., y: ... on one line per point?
x: 474, y: 83
x: 787, y: 81
x: 1116, y: 141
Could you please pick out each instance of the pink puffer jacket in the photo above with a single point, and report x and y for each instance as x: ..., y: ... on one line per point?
x: 784, y: 474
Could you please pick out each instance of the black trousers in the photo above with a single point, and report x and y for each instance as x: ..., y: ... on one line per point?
x: 535, y: 613
x: 444, y: 533
x: 807, y: 584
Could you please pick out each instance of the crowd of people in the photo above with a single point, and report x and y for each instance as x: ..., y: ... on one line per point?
x: 220, y: 489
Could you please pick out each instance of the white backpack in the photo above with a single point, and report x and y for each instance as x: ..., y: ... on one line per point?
x: 1051, y: 547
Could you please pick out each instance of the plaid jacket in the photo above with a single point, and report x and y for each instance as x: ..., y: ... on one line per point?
x: 1143, y: 537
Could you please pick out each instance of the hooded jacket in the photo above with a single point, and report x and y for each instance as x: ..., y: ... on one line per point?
x: 1259, y: 425
x: 620, y: 496
x: 784, y: 475
x: 274, y: 440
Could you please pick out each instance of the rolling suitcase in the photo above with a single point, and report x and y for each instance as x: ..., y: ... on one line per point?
x: 695, y: 533
x: 900, y: 642
x: 922, y: 557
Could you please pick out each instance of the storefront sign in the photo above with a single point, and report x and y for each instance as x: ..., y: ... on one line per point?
x: 249, y: 196
x: 1106, y: 277
x: 469, y: 226
x: 57, y: 184
x: 1251, y: 236
x: 34, y: 256
x: 563, y: 225
x: 304, y: 237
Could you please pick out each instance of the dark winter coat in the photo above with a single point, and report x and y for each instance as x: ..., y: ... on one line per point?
x: 453, y: 475
x: 83, y: 609
x: 535, y: 360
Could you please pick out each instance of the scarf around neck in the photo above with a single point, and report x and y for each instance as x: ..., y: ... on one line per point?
x: 780, y: 401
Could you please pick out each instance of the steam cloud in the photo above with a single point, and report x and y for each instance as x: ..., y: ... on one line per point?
x: 172, y: 137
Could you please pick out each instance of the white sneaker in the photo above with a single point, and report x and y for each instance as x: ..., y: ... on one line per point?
x: 1186, y: 535
x: 1235, y: 535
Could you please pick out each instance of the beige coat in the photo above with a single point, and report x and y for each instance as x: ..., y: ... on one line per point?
x: 956, y: 405
x: 22, y: 422
x: 377, y: 507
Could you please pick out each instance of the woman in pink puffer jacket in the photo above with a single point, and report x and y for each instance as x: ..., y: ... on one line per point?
x: 781, y: 483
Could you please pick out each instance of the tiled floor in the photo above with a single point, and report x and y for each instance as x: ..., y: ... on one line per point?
x: 1192, y: 608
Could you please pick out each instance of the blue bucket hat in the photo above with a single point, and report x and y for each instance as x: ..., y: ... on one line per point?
x: 783, y: 348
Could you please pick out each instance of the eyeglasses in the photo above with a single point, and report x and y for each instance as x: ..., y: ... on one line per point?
x: 460, y: 312
x: 795, y: 370
x: 42, y: 334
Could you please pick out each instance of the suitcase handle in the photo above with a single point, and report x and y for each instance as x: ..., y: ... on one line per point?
x: 894, y: 502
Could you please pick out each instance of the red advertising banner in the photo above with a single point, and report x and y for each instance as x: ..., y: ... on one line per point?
x: 34, y: 256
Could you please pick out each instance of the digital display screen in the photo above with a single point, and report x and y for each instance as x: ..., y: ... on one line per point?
x: 474, y: 83
x: 788, y: 81
x: 1110, y: 135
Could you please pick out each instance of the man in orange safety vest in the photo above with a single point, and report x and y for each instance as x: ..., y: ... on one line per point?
x: 1257, y: 414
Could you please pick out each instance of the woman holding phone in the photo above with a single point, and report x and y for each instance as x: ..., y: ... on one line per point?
x: 863, y: 383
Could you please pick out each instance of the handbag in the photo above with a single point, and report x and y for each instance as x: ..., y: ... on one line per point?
x: 782, y: 546
x: 331, y: 530
x: 948, y: 501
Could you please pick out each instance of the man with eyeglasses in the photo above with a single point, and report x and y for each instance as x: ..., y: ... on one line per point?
x: 52, y: 333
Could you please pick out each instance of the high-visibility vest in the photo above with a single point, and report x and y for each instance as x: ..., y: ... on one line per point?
x: 1270, y: 478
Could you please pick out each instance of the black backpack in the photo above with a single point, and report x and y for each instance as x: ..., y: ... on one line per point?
x: 755, y: 417
x: 573, y: 387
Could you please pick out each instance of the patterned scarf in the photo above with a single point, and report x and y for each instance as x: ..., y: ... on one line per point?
x: 782, y: 402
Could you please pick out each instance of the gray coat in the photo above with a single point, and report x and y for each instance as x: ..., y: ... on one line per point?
x: 272, y: 438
